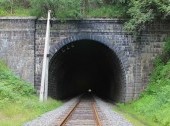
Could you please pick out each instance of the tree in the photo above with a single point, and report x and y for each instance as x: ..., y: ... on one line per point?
x: 141, y: 12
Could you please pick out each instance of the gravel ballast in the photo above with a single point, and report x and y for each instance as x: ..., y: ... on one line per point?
x: 108, y: 116
x: 49, y: 118
x: 113, y: 118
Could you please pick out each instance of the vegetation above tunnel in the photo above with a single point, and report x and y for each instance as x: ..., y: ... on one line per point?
x: 138, y: 12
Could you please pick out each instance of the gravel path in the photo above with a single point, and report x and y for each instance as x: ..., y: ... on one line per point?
x: 106, y: 113
x: 112, y: 118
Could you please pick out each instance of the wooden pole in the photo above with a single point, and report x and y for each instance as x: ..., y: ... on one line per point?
x: 44, y: 76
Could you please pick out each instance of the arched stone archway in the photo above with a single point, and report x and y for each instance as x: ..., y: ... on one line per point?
x: 83, y: 62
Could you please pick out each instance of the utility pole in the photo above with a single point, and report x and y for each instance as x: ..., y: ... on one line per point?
x: 44, y: 76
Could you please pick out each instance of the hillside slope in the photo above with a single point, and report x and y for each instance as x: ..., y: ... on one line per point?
x: 18, y: 100
x: 154, y: 103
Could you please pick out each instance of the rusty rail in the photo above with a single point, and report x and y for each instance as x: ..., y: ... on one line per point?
x: 83, y: 107
x: 98, y: 122
x: 69, y: 114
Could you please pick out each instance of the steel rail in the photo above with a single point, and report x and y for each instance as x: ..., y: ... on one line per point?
x: 69, y: 114
x: 96, y: 114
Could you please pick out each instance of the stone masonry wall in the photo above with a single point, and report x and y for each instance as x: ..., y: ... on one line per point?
x: 149, y: 44
x: 22, y: 44
x: 17, y: 45
x: 112, y: 29
x: 139, y: 52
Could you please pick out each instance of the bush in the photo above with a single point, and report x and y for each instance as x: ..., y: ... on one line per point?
x: 107, y: 11
x: 60, y: 8
x: 141, y: 12
x: 63, y: 9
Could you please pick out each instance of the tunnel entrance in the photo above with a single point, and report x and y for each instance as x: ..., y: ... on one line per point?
x: 84, y: 65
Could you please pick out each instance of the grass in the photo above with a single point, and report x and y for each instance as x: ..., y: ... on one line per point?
x: 106, y: 11
x: 134, y: 117
x: 136, y: 120
x: 16, y: 12
x: 18, y: 100
x: 16, y: 113
x: 153, y: 105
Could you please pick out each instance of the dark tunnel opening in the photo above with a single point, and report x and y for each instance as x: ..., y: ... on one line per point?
x: 83, y: 65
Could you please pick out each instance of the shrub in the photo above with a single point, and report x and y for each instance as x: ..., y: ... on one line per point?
x: 143, y: 11
x: 59, y: 8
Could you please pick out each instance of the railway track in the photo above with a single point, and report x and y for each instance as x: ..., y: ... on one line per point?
x: 83, y: 113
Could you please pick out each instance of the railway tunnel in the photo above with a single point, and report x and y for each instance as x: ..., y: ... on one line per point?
x: 82, y: 65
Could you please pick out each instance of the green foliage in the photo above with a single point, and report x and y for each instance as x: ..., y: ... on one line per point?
x: 12, y: 87
x: 119, y: 1
x: 107, y: 11
x: 60, y: 8
x: 25, y: 109
x: 69, y: 9
x: 63, y: 9
x: 112, y: 1
x: 167, y: 46
x: 139, y: 12
x: 76, y: 9
x: 143, y: 11
x: 14, y: 7
x: 166, y: 54
x: 18, y: 101
x: 6, y: 5
x: 154, y: 102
